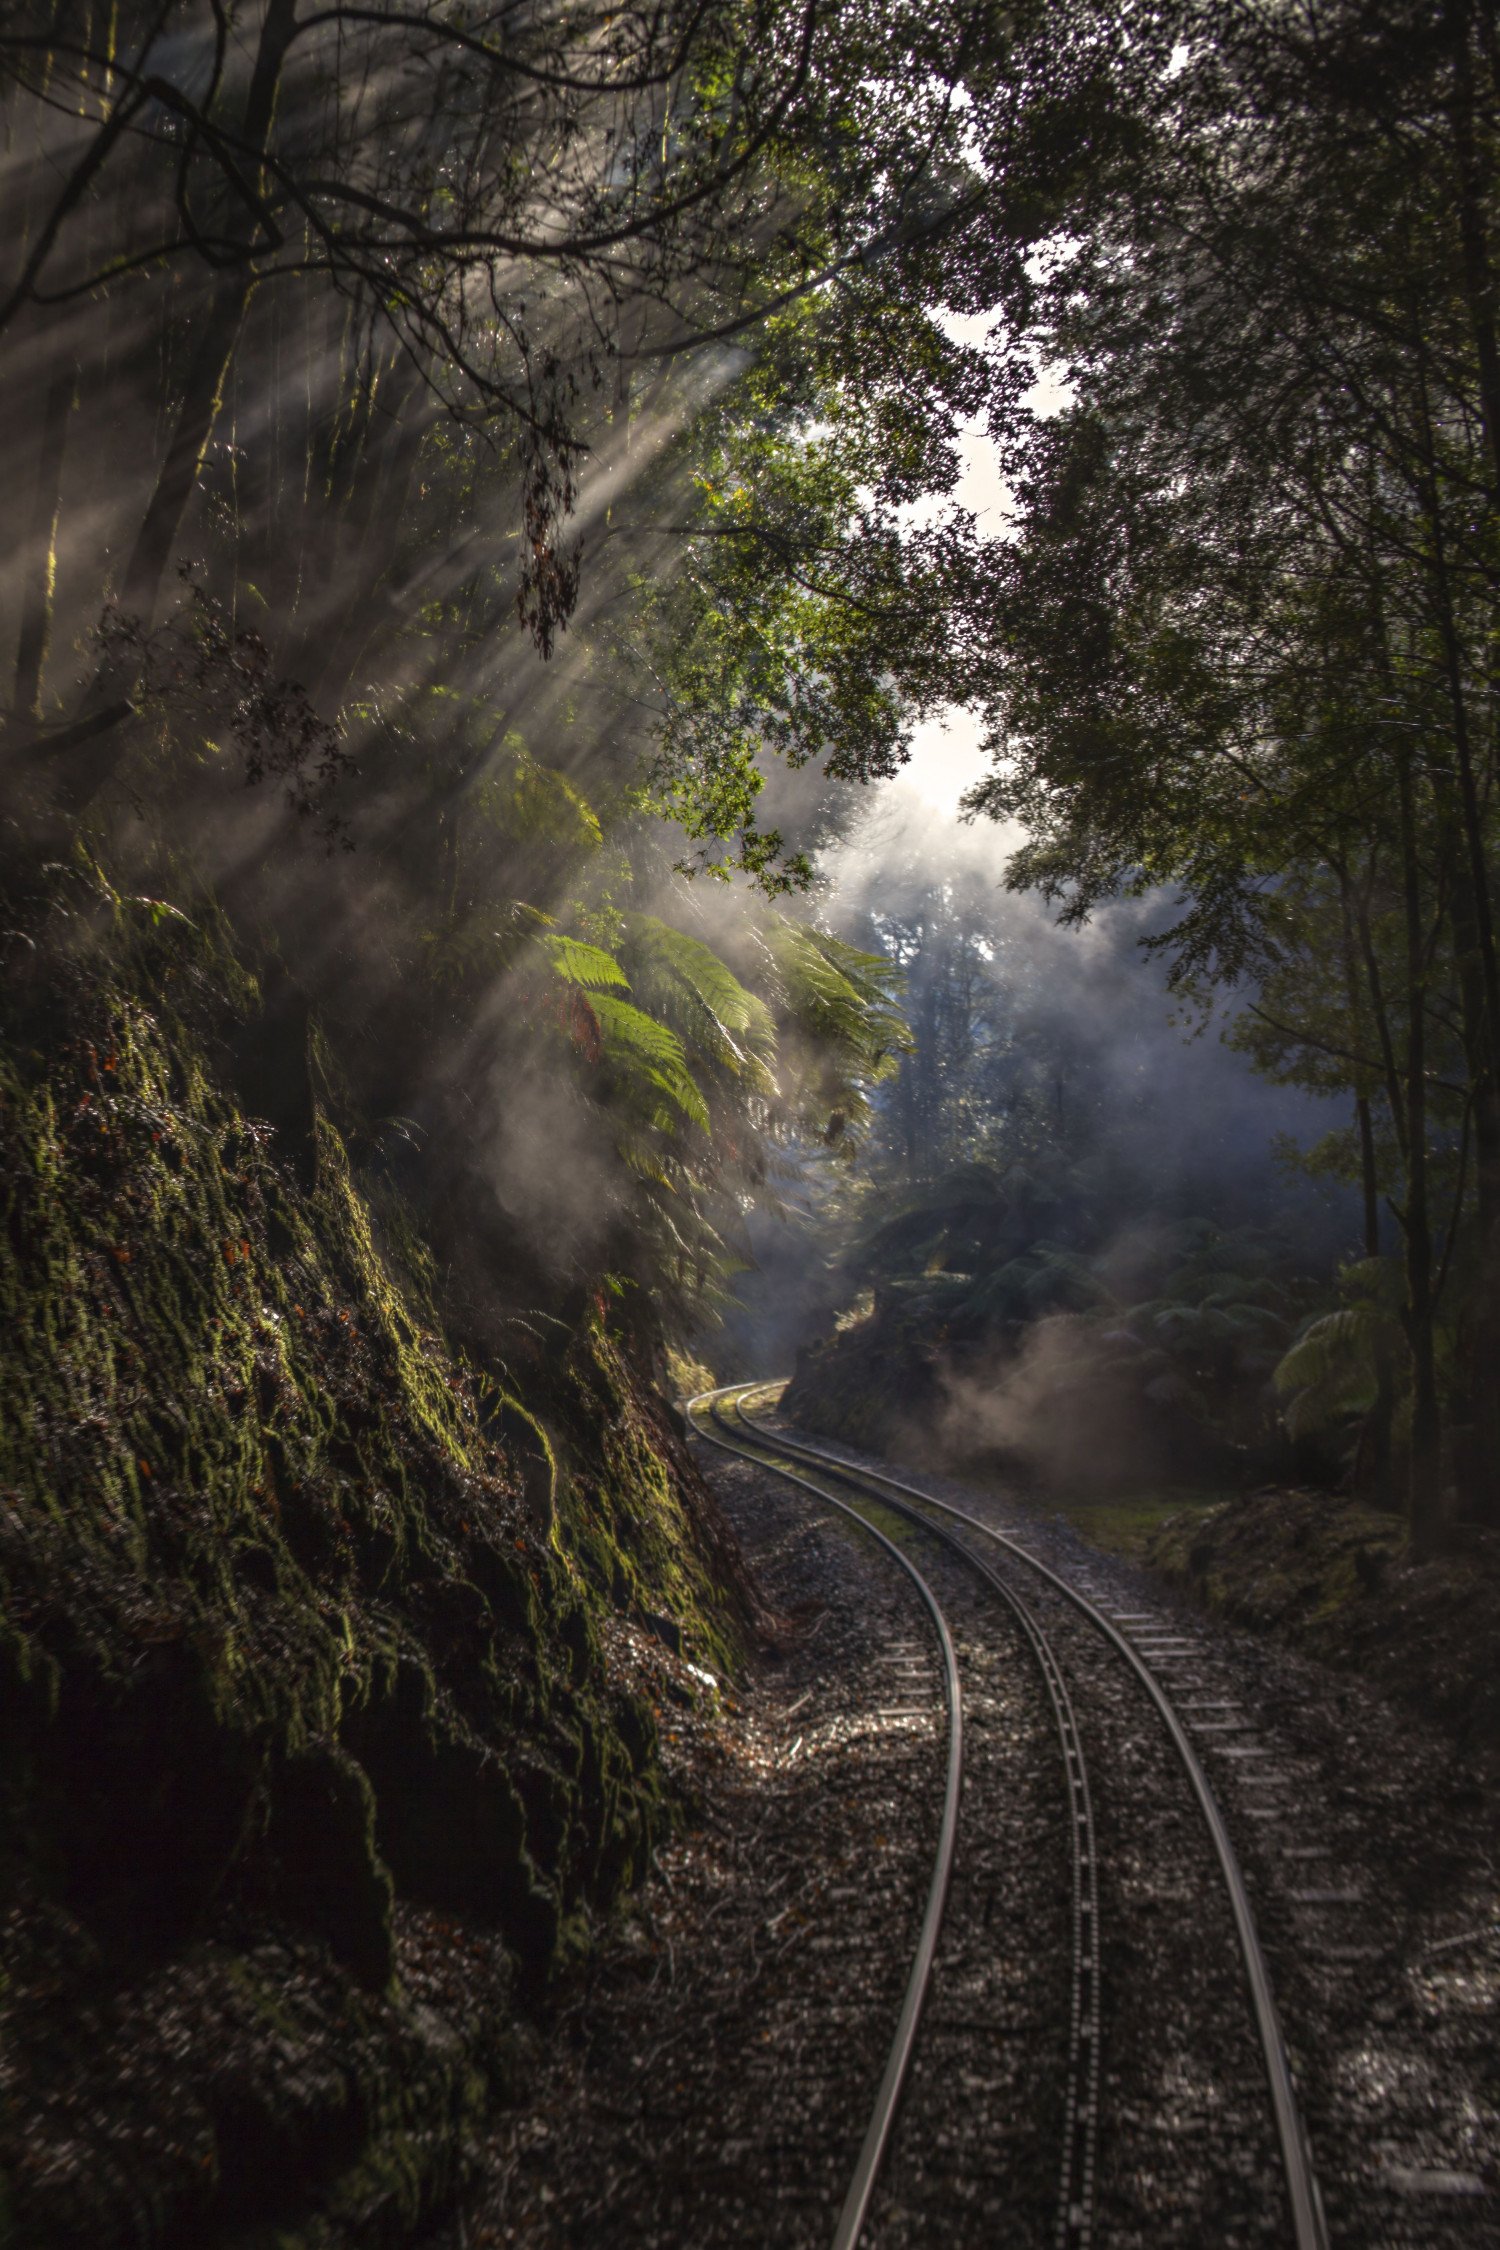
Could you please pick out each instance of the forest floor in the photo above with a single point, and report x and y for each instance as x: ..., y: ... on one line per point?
x: 705, y: 2078
x: 1331, y: 1577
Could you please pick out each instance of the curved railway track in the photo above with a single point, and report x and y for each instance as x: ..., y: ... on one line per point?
x: 1080, y: 2120
x: 724, y: 1419
x: 877, y: 2134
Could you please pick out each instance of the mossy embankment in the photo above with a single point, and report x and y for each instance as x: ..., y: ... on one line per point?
x: 325, y: 1672
x: 1337, y: 1579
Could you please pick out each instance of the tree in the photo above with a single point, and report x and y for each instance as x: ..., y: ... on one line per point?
x: 336, y: 329
x: 1243, y: 639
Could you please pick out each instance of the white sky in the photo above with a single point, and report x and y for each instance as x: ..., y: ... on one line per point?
x: 946, y: 759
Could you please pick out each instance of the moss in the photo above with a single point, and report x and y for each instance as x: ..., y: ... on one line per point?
x: 623, y: 1524
x: 293, y: 1640
x: 1129, y: 1524
x: 689, y: 1377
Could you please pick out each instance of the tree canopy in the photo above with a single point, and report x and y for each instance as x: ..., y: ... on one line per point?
x: 1243, y: 637
x: 501, y: 435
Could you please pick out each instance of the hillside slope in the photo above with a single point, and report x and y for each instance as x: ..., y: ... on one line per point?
x: 327, y: 1661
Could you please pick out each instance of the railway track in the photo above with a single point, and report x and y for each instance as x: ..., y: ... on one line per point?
x: 726, y: 1419
x: 1080, y: 2114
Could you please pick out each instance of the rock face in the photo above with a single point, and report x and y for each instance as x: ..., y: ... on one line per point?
x: 313, y: 1756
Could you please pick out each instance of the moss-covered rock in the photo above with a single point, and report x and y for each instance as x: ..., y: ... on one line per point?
x: 295, y: 1637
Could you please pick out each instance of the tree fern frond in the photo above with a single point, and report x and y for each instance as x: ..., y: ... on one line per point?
x: 849, y: 998
x: 1328, y: 1350
x: 649, y: 1060
x: 685, y: 983
x: 1329, y: 1371
x: 582, y: 964
x: 843, y: 1019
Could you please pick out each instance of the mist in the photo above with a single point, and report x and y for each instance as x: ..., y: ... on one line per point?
x: 1177, y: 1121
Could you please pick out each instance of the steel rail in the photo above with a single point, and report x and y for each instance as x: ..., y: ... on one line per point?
x: 1309, y: 2227
x: 888, y: 2095
x: 1075, y: 2202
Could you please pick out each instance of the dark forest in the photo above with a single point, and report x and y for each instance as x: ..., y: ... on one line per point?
x: 750, y: 1100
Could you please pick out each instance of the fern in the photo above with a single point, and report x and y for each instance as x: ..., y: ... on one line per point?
x: 686, y: 984
x: 1330, y: 1370
x: 649, y: 1064
x: 534, y: 804
x: 848, y: 998
x: 842, y: 1008
x: 472, y: 950
x: 1066, y: 1281
x: 586, y: 965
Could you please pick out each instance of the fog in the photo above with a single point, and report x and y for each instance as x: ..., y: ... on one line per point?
x: 1183, y: 1124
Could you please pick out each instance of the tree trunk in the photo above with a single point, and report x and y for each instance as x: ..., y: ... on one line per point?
x: 1475, y: 951
x: 1424, y: 1485
x: 203, y: 389
x: 1478, y: 265
x: 328, y: 651
x: 1457, y: 793
x: 140, y: 587
x: 41, y: 546
x: 205, y: 380
x: 1376, y: 1450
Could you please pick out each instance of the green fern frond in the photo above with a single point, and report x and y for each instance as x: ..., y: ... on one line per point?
x: 685, y: 984
x: 844, y: 1022
x: 847, y: 998
x: 649, y: 1061
x: 533, y: 803
x: 586, y: 965
x: 1329, y: 1371
x: 1331, y: 1349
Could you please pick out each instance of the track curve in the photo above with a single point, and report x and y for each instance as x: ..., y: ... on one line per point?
x: 898, y: 2061
x: 1081, y: 2110
x: 1305, y: 2206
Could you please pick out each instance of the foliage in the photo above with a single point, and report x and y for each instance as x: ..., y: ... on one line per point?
x: 187, y: 1334
x: 1146, y: 1358
x: 708, y: 1088
x: 393, y: 366
x: 1329, y: 1372
x: 808, y: 622
x: 1242, y: 637
x: 841, y: 1010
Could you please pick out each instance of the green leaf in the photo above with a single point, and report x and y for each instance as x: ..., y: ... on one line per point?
x: 685, y: 984
x: 583, y: 964
x: 649, y: 1059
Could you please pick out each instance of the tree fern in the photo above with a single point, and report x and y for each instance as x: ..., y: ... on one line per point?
x: 849, y: 999
x: 1329, y: 1373
x: 842, y: 1014
x: 649, y: 1064
x: 685, y: 984
x: 480, y: 947
x: 586, y: 965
